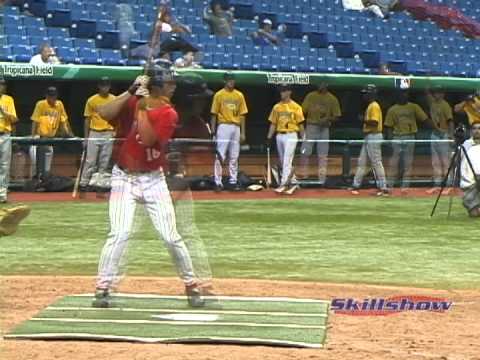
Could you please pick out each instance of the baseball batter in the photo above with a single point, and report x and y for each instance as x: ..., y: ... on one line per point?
x: 286, y: 120
x: 99, y: 133
x: 8, y: 117
x: 372, y: 147
x: 321, y: 109
x: 147, y: 124
x: 228, y: 123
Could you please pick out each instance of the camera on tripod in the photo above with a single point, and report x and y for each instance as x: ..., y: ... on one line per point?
x: 460, y: 134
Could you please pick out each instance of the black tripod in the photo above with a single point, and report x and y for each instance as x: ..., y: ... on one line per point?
x: 454, y: 167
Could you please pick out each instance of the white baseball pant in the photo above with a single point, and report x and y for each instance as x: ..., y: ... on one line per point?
x: 286, y: 145
x: 99, y: 152
x: 152, y: 191
x: 228, y: 141
x: 316, y: 132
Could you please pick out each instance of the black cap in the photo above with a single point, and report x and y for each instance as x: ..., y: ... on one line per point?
x: 437, y: 89
x: 284, y: 87
x: 228, y: 76
x: 369, y: 89
x: 194, y: 86
x: 104, y: 81
x: 51, y: 91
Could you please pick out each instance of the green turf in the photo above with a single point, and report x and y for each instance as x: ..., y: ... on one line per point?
x: 379, y: 241
x: 297, y: 322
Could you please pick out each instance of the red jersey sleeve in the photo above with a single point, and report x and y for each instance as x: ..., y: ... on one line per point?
x: 164, y: 122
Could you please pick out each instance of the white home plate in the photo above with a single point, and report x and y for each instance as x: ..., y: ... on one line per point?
x: 187, y: 317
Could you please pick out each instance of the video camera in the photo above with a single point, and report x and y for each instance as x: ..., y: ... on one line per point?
x: 460, y: 134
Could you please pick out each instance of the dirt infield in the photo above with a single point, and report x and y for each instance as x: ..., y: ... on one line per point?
x: 225, y: 195
x: 406, y: 336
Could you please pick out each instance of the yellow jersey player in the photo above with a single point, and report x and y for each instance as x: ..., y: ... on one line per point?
x: 441, y: 114
x: 322, y: 110
x: 48, y: 116
x: 401, y: 121
x: 286, y: 120
x: 8, y: 117
x: 229, y: 110
x: 371, y: 153
x: 471, y: 106
x: 100, y: 135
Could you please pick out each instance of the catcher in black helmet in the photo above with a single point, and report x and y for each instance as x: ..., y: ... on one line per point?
x: 371, y: 153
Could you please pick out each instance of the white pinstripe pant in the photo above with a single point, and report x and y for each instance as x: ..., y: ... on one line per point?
x: 151, y: 190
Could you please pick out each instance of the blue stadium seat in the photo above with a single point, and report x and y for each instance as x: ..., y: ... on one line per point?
x: 89, y: 56
x: 11, y: 10
x: 80, y: 15
x: 84, y: 29
x: 6, y: 53
x: 14, y: 30
x: 18, y: 40
x: 33, y: 21
x: 318, y: 40
x: 108, y: 39
x: 53, y: 32
x: 58, y: 18
x: 61, y: 42
x: 12, y: 21
x: 67, y: 54
x: 84, y: 43
x: 105, y: 25
x: 344, y: 49
x: 22, y: 53
x: 38, y: 40
x: 112, y: 57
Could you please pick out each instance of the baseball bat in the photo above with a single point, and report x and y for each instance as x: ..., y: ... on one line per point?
x: 79, y: 174
x: 269, y: 168
x: 217, y: 153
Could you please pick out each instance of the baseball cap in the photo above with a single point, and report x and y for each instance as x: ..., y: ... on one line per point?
x: 51, y: 91
x: 437, y: 89
x: 369, y: 89
x: 194, y: 86
x: 104, y: 81
x: 267, y: 21
x: 228, y: 76
x: 284, y: 87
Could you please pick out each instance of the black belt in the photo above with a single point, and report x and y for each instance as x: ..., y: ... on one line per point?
x: 101, y: 130
x: 132, y: 171
x: 285, y: 132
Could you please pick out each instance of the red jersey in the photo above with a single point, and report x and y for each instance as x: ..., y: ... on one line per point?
x: 132, y: 155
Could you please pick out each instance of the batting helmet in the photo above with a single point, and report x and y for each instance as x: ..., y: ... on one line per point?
x: 159, y: 76
x: 193, y: 86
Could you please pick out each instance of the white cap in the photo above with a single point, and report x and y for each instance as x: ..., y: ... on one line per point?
x: 267, y: 21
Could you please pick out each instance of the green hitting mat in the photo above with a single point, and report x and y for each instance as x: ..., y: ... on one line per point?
x: 168, y: 319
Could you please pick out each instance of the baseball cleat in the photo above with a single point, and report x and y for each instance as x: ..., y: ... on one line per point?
x: 354, y: 191
x: 432, y: 191
x: 102, y: 299
x: 384, y: 193
x: 291, y: 190
x: 280, y: 189
x: 218, y: 188
x: 194, y: 296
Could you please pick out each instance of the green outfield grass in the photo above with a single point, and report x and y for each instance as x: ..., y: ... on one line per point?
x: 361, y: 240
